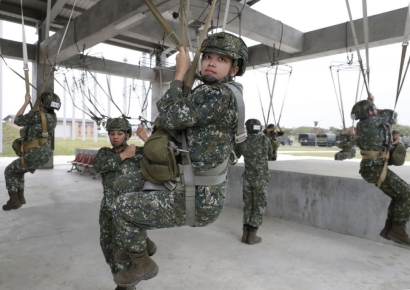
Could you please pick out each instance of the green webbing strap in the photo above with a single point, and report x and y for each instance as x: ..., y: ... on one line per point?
x: 189, y: 184
x: 240, y: 128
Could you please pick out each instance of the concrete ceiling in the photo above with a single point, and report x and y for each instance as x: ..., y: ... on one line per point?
x: 96, y: 21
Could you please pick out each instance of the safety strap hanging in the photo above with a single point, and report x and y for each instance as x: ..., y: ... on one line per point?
x: 341, y: 101
x: 260, y: 99
x: 271, y: 91
x: 226, y: 15
x: 25, y: 56
x: 366, y: 39
x: 405, y: 44
x: 357, y: 47
x: 284, y: 98
x: 337, y: 96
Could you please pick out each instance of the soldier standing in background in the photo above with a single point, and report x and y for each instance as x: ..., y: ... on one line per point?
x: 273, y: 135
x: 347, y: 144
x: 35, y: 152
x: 119, y: 167
x: 373, y: 134
x: 256, y: 150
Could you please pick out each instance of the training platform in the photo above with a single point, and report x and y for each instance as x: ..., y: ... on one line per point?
x: 52, y: 242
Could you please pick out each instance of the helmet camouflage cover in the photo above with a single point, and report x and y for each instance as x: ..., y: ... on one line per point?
x: 50, y: 100
x: 229, y: 45
x: 253, y: 126
x: 359, y: 110
x: 119, y: 124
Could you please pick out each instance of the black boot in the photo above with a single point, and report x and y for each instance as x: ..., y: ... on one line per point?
x: 386, y: 228
x: 13, y: 202
x: 398, y: 233
x: 245, y: 233
x: 122, y: 255
x: 20, y: 194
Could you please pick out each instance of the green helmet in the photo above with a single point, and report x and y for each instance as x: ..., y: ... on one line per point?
x: 119, y: 124
x: 360, y: 109
x: 229, y: 45
x: 395, y: 131
x: 253, y: 126
x: 50, y: 100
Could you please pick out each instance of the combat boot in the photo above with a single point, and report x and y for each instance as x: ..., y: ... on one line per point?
x: 386, y: 229
x: 20, y: 194
x: 398, y: 233
x: 252, y: 237
x: 12, y: 203
x: 245, y: 233
x: 122, y: 255
x: 142, y: 267
x: 120, y: 288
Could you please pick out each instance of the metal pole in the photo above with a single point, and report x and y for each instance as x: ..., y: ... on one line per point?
x: 124, y: 95
x: 73, y: 123
x: 64, y: 113
x: 1, y: 94
x: 95, y: 110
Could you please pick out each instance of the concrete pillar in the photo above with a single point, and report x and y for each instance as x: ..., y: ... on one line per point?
x: 1, y: 94
x: 83, y: 128
x: 124, y: 94
x: 64, y: 110
x: 73, y: 124
x: 158, y: 90
x: 109, y: 102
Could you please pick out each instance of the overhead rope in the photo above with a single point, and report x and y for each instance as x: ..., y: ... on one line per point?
x: 366, y: 39
x: 357, y: 47
x: 405, y: 44
x: 260, y: 99
x: 25, y: 56
x: 225, y: 15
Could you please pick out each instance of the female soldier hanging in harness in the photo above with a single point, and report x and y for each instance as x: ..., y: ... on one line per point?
x: 34, y: 149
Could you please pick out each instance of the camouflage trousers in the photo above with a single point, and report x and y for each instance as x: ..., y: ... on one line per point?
x: 254, y: 198
x: 275, y: 156
x: 394, y: 187
x: 342, y: 155
x: 109, y: 240
x: 14, y: 172
x: 137, y: 212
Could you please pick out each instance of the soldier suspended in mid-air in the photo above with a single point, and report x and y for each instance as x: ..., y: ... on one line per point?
x: 208, y: 118
x: 33, y: 148
x: 273, y: 135
x: 373, y: 138
x: 256, y: 150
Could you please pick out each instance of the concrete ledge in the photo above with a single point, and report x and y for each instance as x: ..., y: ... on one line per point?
x: 333, y: 196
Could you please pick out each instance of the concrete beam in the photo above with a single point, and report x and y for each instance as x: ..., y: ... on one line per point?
x: 121, y: 69
x: 386, y: 28
x: 56, y: 9
x: 253, y: 25
x: 14, y: 49
x: 97, y: 25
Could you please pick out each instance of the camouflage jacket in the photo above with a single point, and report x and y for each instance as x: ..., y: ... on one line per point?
x: 372, y: 135
x: 256, y: 150
x: 273, y: 136
x: 208, y: 116
x: 109, y: 164
x: 32, y: 123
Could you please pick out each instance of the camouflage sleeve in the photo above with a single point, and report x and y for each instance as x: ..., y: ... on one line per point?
x: 268, y: 145
x: 106, y: 160
x: 382, y: 118
x: 28, y: 119
x: 238, y: 150
x: 204, y: 106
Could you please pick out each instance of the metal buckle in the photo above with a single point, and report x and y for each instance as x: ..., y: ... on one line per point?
x: 170, y: 185
x: 240, y: 138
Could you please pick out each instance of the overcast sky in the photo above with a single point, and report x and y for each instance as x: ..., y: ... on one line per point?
x: 310, y: 94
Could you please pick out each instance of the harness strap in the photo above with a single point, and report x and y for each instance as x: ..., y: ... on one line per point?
x: 377, y: 155
x: 240, y: 128
x: 43, y: 124
x: 35, y: 143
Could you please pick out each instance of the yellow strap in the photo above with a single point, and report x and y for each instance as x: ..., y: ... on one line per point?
x: 35, y: 143
x: 43, y: 124
x: 384, y: 172
x: 373, y: 154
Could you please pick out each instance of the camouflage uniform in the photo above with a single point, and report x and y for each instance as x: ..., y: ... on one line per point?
x: 34, y: 157
x: 256, y: 149
x: 372, y: 136
x: 117, y: 176
x: 273, y: 137
x: 209, y: 119
x: 348, y: 147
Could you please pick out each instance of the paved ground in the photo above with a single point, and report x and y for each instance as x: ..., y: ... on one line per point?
x: 53, y: 243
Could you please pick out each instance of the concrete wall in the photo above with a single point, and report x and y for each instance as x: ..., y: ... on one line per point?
x: 347, y: 205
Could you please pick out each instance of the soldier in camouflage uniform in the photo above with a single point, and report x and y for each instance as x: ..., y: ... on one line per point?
x: 256, y: 150
x: 273, y: 135
x: 36, y: 149
x: 209, y: 119
x: 373, y: 134
x: 120, y: 171
x: 348, y: 146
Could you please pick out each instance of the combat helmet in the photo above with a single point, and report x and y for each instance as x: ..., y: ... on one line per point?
x: 50, y: 100
x: 119, y: 124
x: 395, y: 131
x: 360, y: 110
x: 253, y: 126
x: 229, y: 45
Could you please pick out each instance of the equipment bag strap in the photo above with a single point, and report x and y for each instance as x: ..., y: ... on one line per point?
x: 240, y: 128
x: 44, y: 125
x: 378, y: 155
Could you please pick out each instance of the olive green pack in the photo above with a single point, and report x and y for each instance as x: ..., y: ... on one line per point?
x: 159, y: 164
x: 398, y: 155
